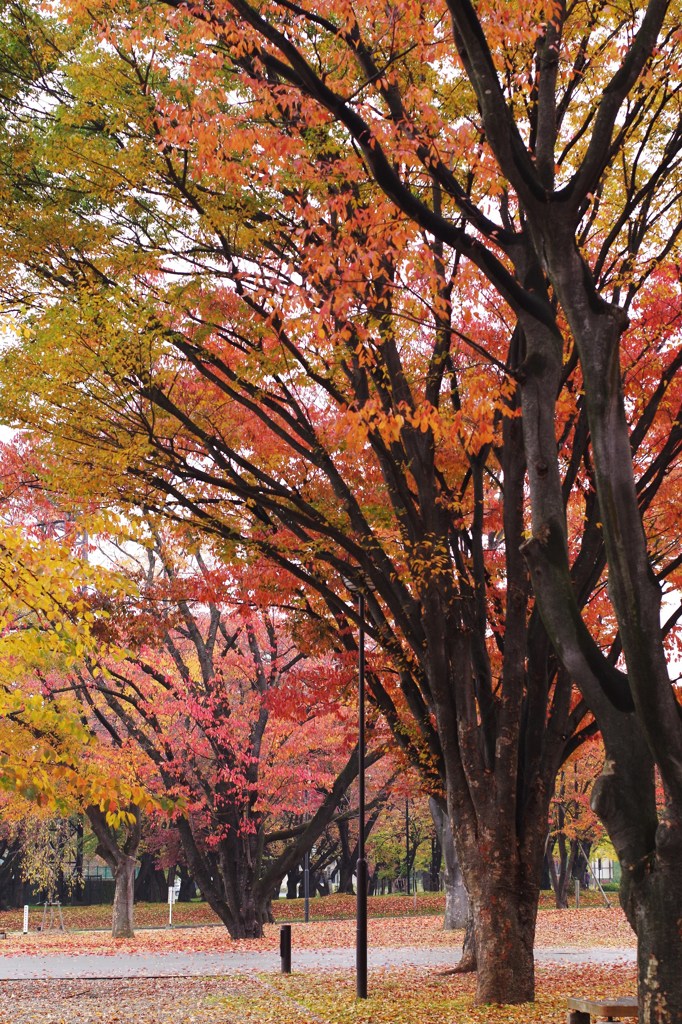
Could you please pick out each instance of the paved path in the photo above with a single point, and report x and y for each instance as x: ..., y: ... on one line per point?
x: 150, y: 965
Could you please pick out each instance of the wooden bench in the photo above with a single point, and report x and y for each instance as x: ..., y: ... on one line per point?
x: 584, y: 1011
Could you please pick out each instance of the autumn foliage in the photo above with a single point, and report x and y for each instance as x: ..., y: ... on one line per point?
x: 383, y: 301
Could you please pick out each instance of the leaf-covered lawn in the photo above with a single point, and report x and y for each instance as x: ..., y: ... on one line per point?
x: 408, y: 996
x: 585, y: 927
x: 327, y: 908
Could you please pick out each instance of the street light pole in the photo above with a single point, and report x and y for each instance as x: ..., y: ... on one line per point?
x: 306, y: 869
x: 306, y: 886
x: 407, y: 843
x: 361, y: 870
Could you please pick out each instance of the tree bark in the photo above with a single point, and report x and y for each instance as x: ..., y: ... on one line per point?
x: 227, y: 878
x: 659, y: 943
x: 561, y: 880
x: 504, y: 928
x: 347, y: 860
x: 124, y: 898
x: 151, y: 885
x: 122, y: 860
x: 456, y: 897
x: 188, y: 887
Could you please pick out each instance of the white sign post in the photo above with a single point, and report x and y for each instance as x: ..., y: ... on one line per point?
x: 26, y: 919
x: 171, y: 901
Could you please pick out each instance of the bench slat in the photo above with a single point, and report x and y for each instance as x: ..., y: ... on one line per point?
x: 587, y: 1008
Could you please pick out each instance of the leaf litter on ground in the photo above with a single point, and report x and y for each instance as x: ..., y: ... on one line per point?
x: 403, y: 996
x: 582, y: 928
x: 326, y: 908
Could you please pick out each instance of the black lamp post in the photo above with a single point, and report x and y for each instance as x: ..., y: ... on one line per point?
x: 306, y: 873
x: 361, y: 870
x: 407, y: 843
x: 306, y: 886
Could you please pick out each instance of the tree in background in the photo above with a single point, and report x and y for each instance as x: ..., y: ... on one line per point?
x: 48, y: 754
x: 228, y: 715
x: 574, y: 828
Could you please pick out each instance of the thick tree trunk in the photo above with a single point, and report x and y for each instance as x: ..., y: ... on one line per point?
x: 124, y: 898
x: 658, y: 911
x: 188, y: 888
x: 504, y: 928
x: 151, y: 885
x: 249, y: 908
x: 228, y: 880
x: 503, y: 882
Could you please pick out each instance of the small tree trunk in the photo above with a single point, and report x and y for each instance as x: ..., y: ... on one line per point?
x: 545, y: 880
x: 467, y: 962
x: 124, y: 898
x: 468, y: 959
x: 79, y: 887
x: 292, y: 883
x: 347, y: 859
x: 434, y: 866
x: 122, y: 860
x: 456, y: 896
x: 151, y: 885
x: 555, y: 879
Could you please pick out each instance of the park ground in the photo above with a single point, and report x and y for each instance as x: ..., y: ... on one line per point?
x: 405, y: 995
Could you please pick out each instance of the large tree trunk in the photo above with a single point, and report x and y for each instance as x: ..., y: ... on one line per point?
x: 659, y: 943
x: 504, y: 927
x: 504, y: 892
x: 501, y: 930
x: 228, y: 879
x: 624, y: 796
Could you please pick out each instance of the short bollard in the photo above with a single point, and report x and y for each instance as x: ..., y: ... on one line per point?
x: 285, y: 948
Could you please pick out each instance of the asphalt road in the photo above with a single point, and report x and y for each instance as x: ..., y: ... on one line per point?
x: 166, y: 965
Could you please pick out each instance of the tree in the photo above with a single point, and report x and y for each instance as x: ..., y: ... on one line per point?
x: 328, y: 334
x: 231, y: 716
x: 416, y: 515
x: 457, y: 913
x: 48, y: 753
x: 578, y: 126
x: 574, y: 827
x: 264, y: 732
